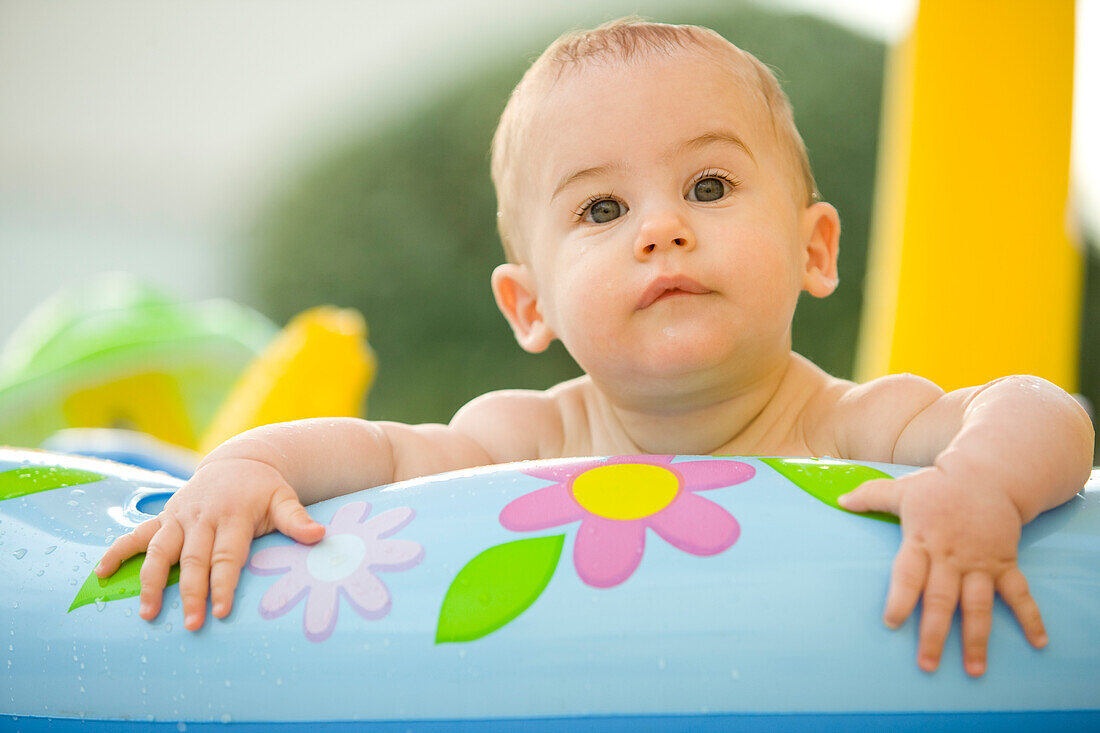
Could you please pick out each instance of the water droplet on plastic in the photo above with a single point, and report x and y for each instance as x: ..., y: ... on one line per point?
x: 50, y: 549
x: 226, y: 718
x: 20, y: 553
x: 77, y: 492
x: 127, y: 612
x: 181, y: 726
x: 39, y: 573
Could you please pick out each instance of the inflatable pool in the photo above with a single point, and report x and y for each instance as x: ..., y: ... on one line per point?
x: 627, y: 593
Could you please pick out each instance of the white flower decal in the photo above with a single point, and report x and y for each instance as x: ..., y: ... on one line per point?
x: 344, y: 562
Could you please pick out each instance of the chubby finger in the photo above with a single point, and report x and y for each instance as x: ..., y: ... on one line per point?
x: 195, y: 574
x: 938, y: 603
x: 231, y: 545
x: 160, y: 556
x: 127, y: 546
x: 976, y: 602
x: 290, y: 517
x: 907, y: 580
x: 1012, y: 585
x: 881, y: 495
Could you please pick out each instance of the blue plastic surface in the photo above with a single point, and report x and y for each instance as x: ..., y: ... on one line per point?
x: 780, y: 630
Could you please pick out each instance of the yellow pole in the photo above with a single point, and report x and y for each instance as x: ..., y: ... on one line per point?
x: 972, y: 273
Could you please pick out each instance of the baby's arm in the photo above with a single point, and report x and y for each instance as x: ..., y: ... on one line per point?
x: 258, y: 481
x: 996, y: 456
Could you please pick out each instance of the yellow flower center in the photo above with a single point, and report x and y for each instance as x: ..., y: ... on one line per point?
x: 625, y: 491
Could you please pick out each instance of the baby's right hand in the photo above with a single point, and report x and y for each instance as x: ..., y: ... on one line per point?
x: 208, y: 527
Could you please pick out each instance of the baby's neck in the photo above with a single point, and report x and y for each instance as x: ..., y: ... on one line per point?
x: 759, y: 418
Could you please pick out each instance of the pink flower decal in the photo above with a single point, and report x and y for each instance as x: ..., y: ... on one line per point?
x: 344, y: 562
x: 617, y: 498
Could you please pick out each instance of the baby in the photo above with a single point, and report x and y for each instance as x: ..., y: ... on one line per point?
x: 660, y: 219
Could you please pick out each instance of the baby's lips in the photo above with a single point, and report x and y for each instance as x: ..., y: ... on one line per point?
x: 669, y: 284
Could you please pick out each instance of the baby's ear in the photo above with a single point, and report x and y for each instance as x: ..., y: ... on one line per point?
x: 517, y: 298
x: 821, y: 242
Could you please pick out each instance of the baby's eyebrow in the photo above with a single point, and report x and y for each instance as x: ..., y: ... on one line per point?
x: 715, y: 136
x: 570, y: 178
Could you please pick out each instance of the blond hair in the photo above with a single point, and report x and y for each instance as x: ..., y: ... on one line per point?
x: 626, y: 39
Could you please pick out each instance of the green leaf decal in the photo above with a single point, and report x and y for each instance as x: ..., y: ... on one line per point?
x: 827, y: 478
x: 123, y: 584
x: 32, y: 479
x: 496, y: 586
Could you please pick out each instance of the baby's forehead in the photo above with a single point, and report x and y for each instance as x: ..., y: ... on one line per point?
x: 572, y: 98
x: 554, y: 75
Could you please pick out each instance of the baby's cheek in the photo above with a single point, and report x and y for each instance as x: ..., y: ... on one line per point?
x: 590, y: 292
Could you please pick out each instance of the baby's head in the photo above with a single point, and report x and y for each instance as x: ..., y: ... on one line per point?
x: 629, y: 41
x: 657, y: 207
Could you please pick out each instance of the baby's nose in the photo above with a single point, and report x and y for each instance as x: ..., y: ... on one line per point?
x: 663, y: 232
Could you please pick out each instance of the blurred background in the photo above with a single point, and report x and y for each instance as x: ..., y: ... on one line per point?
x: 286, y: 154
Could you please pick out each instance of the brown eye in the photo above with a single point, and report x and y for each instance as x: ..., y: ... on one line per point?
x: 604, y: 210
x: 709, y: 189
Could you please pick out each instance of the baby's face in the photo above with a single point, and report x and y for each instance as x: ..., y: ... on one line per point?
x: 662, y: 229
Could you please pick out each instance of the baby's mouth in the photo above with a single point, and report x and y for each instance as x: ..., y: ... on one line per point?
x: 669, y: 286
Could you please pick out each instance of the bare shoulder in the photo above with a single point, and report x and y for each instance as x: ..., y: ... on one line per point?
x: 868, y: 418
x: 513, y: 424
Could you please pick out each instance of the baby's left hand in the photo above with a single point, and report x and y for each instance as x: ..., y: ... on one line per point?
x: 959, y: 543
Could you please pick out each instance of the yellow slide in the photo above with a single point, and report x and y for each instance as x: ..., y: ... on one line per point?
x: 319, y: 365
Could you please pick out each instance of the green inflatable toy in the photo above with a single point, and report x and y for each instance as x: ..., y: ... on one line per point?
x: 119, y: 353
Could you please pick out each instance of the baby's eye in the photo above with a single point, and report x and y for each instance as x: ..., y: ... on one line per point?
x: 713, y: 184
x: 601, y: 210
x: 708, y: 189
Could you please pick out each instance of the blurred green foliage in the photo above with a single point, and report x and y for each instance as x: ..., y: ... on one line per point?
x: 400, y: 222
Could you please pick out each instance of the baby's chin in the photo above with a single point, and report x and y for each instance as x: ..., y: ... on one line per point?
x: 678, y: 354
x: 670, y: 386
x: 694, y: 361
